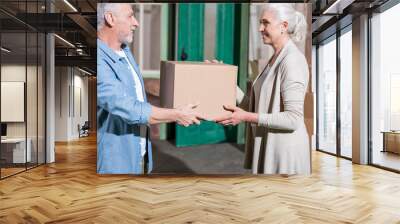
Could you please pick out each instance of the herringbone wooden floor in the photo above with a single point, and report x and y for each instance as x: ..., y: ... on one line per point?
x: 70, y: 191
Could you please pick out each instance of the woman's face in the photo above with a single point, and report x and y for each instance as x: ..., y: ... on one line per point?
x: 270, y: 28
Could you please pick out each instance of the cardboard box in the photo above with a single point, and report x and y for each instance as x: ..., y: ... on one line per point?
x: 212, y: 85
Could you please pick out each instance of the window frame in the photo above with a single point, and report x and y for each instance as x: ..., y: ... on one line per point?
x: 334, y: 37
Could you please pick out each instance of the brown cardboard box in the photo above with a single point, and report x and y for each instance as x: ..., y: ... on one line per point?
x: 209, y: 84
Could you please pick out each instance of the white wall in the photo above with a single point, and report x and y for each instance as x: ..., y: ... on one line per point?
x: 61, y: 103
x: 71, y: 94
x: 17, y: 73
x: 12, y: 73
x: 79, y: 117
x: 33, y: 126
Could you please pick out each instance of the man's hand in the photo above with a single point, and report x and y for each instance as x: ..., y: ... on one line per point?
x: 186, y: 115
x: 236, y: 116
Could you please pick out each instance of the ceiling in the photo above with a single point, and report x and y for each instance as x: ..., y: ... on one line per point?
x: 330, y: 15
x: 75, y: 22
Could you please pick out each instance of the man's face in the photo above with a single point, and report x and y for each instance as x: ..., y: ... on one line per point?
x: 126, y: 24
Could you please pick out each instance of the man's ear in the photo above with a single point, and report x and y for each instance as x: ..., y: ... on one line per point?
x: 109, y: 19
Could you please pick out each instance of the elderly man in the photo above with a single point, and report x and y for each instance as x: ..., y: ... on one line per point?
x: 123, y: 113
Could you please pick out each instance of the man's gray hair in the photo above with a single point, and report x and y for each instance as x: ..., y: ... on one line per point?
x: 102, y: 9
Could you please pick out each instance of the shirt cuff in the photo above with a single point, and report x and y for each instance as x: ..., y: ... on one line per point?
x: 146, y: 112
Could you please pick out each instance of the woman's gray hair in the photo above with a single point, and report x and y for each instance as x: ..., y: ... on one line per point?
x: 102, y: 8
x: 297, y: 24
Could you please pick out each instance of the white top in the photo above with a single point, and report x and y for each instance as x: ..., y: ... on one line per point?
x: 257, y: 86
x: 139, y: 94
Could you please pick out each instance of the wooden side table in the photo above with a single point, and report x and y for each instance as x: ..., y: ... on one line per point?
x: 391, y: 141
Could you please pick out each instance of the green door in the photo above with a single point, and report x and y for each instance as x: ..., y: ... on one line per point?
x: 190, y: 47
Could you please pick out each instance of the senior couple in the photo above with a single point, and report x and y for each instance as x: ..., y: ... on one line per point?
x: 276, y: 136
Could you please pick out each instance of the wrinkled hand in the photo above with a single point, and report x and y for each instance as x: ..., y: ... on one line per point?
x: 236, y: 116
x: 186, y: 115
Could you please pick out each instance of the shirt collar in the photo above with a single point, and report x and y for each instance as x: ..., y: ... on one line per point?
x: 110, y: 52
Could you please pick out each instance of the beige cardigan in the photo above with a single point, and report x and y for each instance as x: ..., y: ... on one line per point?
x: 279, y: 143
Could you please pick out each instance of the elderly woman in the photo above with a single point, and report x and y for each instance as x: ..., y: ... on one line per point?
x: 276, y: 137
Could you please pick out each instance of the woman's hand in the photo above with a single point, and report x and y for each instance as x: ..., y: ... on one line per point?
x: 186, y: 115
x: 236, y: 116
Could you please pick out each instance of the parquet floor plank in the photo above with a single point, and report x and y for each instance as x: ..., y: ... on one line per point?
x: 70, y: 191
